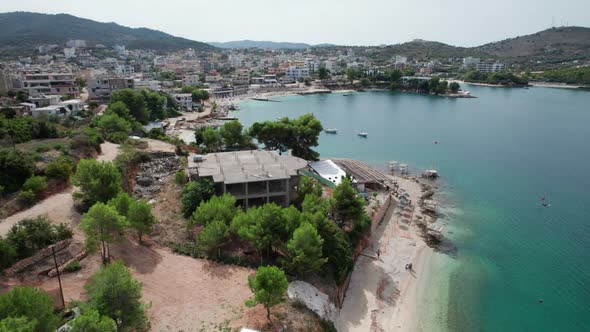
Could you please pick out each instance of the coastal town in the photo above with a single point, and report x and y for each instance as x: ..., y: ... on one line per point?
x: 132, y: 198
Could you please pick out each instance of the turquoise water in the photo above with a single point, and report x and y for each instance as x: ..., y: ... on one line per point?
x: 497, y: 155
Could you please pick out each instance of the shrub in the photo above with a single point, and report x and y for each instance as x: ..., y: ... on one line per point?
x: 180, y: 178
x: 32, y: 303
x: 30, y: 235
x: 194, y: 193
x: 36, y: 184
x: 42, y: 148
x: 61, y: 168
x: 28, y: 196
x: 117, y: 137
x: 156, y: 133
x: 15, y: 166
x: 97, y: 181
x: 73, y: 267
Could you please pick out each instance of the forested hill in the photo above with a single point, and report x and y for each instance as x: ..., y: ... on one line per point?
x: 23, y: 30
x: 551, y: 45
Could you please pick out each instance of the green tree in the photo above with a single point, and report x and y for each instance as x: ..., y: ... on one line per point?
x: 112, y: 123
x: 114, y: 293
x: 155, y: 104
x: 308, y: 186
x: 336, y: 247
x: 199, y: 139
x: 135, y: 101
x: 91, y: 321
x: 32, y: 303
x: 313, y: 204
x: 16, y: 167
x: 299, y: 135
x: 194, y: 193
x: 18, y: 324
x: 222, y: 208
x: 269, y: 286
x: 305, y: 250
x: 140, y: 218
x: 212, y: 139
x: 96, y: 181
x: 454, y: 86
x: 261, y: 226
x: 348, y: 206
x: 121, y: 203
x: 214, y: 235
x: 102, y: 225
x: 32, y: 188
x: 323, y: 73
x: 351, y: 74
x: 231, y: 132
x: 120, y: 109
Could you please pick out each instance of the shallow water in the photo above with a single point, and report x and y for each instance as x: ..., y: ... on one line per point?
x: 498, y: 154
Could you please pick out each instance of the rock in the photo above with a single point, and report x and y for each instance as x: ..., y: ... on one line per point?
x: 152, y: 201
x: 313, y: 299
x: 144, y: 181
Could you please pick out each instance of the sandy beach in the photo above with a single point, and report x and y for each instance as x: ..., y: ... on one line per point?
x: 382, y: 295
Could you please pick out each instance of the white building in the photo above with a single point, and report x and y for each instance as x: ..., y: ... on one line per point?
x: 149, y: 85
x: 490, y: 67
x: 470, y: 61
x: 184, y: 100
x: 191, y: 79
x: 125, y: 70
x: 332, y: 66
x: 241, y: 77
x: 76, y: 43
x: 296, y: 72
x: 70, y: 52
x: 400, y: 59
x: 62, y: 109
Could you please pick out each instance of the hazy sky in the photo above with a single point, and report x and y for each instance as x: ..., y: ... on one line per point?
x: 347, y: 22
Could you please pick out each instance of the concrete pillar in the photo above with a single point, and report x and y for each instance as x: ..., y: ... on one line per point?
x: 246, y: 199
x: 267, y: 192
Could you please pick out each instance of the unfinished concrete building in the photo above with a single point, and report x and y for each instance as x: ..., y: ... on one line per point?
x: 252, y: 177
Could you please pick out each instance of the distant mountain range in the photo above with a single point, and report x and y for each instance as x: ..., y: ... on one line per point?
x: 265, y: 45
x: 23, y: 30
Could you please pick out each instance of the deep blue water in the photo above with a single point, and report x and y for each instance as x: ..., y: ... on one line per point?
x: 498, y: 154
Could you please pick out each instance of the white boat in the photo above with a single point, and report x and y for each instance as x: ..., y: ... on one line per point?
x: 331, y: 131
x: 363, y: 134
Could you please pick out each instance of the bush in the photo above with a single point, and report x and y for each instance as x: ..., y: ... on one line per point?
x: 73, y: 267
x: 180, y: 178
x: 30, y: 235
x: 86, y: 142
x: 42, y: 148
x: 60, y: 168
x: 28, y: 196
x: 32, y: 303
x: 156, y: 133
x: 117, y: 137
x: 194, y: 193
x: 36, y: 184
x: 15, y: 166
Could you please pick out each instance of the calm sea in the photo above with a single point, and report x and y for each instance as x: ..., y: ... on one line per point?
x: 497, y: 155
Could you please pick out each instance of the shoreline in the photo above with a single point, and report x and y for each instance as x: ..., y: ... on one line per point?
x: 382, y: 294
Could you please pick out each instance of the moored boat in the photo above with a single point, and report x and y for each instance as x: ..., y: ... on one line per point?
x: 363, y: 134
x: 331, y: 131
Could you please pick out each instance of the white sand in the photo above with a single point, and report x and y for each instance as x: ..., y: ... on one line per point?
x: 382, y: 295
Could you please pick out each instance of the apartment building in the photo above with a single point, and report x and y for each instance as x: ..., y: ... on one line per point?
x: 184, y: 101
x: 241, y: 77
x: 490, y: 67
x: 101, y: 89
x: 50, y: 83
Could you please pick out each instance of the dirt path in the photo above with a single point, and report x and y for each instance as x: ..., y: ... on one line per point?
x: 109, y: 151
x: 59, y: 208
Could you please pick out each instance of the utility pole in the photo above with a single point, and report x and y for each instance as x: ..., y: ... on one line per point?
x: 61, y: 291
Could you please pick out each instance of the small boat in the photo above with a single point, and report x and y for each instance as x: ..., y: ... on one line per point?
x: 363, y: 134
x: 331, y: 131
x: 345, y: 95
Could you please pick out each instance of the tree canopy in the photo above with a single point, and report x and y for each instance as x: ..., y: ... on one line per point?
x: 102, y: 224
x: 97, y: 181
x: 193, y: 193
x: 269, y: 286
x: 114, y: 293
x: 140, y: 217
x: 222, y: 208
x: 298, y: 135
x: 305, y: 250
x: 16, y: 167
x: 31, y: 303
x: 91, y: 321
